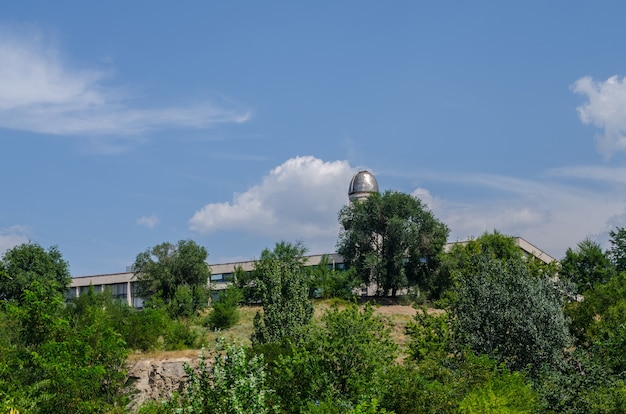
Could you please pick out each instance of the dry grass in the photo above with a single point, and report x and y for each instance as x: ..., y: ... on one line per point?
x: 395, y: 316
x: 238, y: 334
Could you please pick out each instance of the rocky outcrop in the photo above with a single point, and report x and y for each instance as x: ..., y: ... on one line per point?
x: 155, y: 379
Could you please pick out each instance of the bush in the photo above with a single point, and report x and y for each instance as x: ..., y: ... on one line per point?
x: 227, y: 383
x: 502, y: 310
x: 225, y: 313
x: 180, y: 335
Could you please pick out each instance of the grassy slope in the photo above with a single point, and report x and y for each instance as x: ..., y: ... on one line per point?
x: 395, y: 316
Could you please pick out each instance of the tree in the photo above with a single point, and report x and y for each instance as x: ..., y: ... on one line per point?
x: 587, y: 265
x: 461, y: 258
x: 283, y: 286
x: 176, y: 274
x: 617, y: 252
x: 26, y: 263
x: 392, y: 240
x: 60, y: 358
x: 328, y: 282
x: 504, y: 311
x: 225, y: 312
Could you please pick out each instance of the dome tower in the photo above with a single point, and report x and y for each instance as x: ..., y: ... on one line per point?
x: 362, y: 185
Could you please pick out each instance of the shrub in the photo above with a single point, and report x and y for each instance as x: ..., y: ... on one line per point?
x: 180, y: 335
x: 225, y: 313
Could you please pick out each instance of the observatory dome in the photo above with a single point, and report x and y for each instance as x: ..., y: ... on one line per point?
x: 362, y: 184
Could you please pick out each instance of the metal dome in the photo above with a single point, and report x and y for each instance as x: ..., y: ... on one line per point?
x: 362, y: 184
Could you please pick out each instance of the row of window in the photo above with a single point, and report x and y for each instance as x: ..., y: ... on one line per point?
x: 229, y: 277
x: 119, y: 291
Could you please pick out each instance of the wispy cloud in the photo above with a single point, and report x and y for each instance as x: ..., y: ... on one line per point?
x: 41, y: 92
x: 298, y: 200
x: 606, y: 109
x: 605, y: 174
x: 149, y: 222
x: 549, y: 211
x: 13, y: 236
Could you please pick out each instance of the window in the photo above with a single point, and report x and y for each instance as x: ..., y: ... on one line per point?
x: 118, y: 290
x: 137, y: 302
x: 70, y: 294
x: 82, y: 290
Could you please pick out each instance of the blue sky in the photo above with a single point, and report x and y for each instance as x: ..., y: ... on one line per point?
x: 239, y: 124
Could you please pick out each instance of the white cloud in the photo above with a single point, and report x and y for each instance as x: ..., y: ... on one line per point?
x: 12, y: 236
x: 298, y: 200
x: 428, y: 200
x: 41, y: 92
x: 548, y: 213
x: 148, y: 221
x: 606, y: 109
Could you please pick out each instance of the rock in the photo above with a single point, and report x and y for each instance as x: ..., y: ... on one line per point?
x: 155, y: 379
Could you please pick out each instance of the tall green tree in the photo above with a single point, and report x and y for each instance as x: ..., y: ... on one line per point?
x: 283, y: 287
x: 617, y: 251
x: 392, y: 240
x: 587, y: 265
x: 177, y: 274
x: 26, y: 263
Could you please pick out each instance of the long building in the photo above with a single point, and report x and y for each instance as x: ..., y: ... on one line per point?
x: 123, y: 285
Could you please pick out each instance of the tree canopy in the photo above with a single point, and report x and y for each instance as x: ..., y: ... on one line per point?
x: 503, y: 310
x: 617, y: 252
x: 176, y: 274
x: 27, y: 263
x: 587, y: 265
x: 283, y: 285
x: 392, y: 240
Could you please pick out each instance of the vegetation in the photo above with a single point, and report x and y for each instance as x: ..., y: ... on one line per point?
x: 587, y: 265
x: 175, y: 276
x: 511, y: 334
x: 391, y: 240
x: 282, y: 282
x: 27, y: 263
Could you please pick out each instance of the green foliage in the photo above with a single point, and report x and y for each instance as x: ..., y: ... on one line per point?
x: 391, y: 240
x: 180, y: 334
x: 225, y: 311
x: 617, y: 252
x: 343, y: 359
x: 504, y: 393
x: 587, y: 265
x: 231, y: 383
x: 60, y: 359
x: 328, y: 282
x: 283, y: 287
x: 430, y: 336
x: 175, y: 274
x: 461, y: 259
x: 26, y: 263
x: 599, y: 321
x: 503, y: 311
x: 332, y: 406
x: 579, y: 384
x: 246, y: 282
